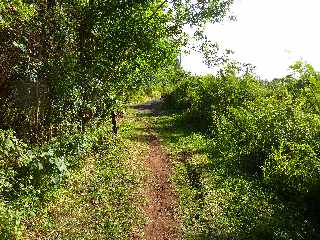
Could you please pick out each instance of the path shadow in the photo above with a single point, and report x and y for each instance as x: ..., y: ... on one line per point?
x: 151, y: 108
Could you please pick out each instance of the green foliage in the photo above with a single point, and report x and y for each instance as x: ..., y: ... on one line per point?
x: 218, y: 202
x: 65, y: 66
x: 204, y: 98
x: 75, y: 57
x: 58, y: 63
x: 14, y: 11
x: 95, y: 200
x: 28, y: 173
x: 248, y: 119
x: 23, y: 166
x: 293, y: 168
x: 265, y: 131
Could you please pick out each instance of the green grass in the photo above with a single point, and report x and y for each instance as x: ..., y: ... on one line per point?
x: 102, y: 196
x: 99, y: 199
x: 216, y: 199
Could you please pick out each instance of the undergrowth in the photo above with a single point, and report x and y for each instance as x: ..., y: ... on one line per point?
x: 84, y: 188
x: 217, y: 201
x: 248, y: 154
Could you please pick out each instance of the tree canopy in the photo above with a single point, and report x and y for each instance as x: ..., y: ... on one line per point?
x: 61, y: 59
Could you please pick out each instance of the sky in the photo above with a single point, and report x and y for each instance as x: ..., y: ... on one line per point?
x: 270, y: 34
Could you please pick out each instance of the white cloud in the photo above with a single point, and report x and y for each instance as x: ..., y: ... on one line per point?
x: 270, y: 34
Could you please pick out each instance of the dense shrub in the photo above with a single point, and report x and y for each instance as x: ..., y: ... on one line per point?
x: 29, y: 172
x: 266, y: 129
x: 293, y: 168
x: 22, y: 165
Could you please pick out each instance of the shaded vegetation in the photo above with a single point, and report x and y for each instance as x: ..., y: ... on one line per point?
x: 93, y: 198
x: 247, y: 154
x: 66, y: 69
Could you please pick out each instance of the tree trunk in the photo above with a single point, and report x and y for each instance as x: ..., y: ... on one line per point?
x: 114, y: 123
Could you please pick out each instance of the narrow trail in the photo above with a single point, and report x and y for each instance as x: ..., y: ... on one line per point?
x: 161, y: 208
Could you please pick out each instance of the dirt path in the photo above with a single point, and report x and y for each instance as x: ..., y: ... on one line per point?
x: 161, y: 209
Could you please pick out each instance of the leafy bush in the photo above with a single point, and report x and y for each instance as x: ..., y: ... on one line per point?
x: 293, y: 168
x: 28, y: 172
x: 265, y: 129
x: 258, y: 176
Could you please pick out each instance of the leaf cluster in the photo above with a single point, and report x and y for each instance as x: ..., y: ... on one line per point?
x: 268, y: 130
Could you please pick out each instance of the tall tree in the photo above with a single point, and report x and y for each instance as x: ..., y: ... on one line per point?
x: 82, y: 58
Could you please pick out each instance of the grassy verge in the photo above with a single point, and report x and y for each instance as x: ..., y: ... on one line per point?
x: 99, y: 198
x: 216, y: 200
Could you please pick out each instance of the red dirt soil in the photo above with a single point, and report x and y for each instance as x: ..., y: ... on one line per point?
x: 161, y: 211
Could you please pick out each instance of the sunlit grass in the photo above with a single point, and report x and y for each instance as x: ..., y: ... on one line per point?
x: 100, y: 199
x: 216, y: 200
